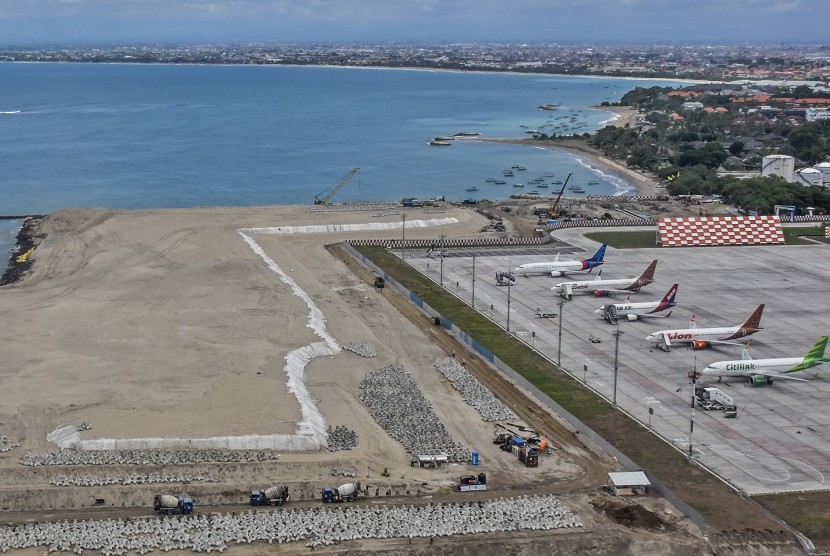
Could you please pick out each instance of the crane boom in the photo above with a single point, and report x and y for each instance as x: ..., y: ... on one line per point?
x: 327, y: 197
x: 552, y: 213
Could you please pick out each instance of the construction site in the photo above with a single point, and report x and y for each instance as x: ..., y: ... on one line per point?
x: 207, y: 358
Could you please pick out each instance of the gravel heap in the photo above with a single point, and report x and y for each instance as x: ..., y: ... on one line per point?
x: 145, y: 457
x: 364, y: 349
x: 341, y: 438
x: 396, y: 403
x: 132, y: 479
x: 474, y: 392
x: 6, y: 444
x: 314, y: 526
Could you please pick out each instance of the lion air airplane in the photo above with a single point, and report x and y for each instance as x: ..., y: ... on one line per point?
x: 636, y: 311
x: 558, y: 268
x: 601, y: 287
x: 762, y: 371
x: 702, y: 338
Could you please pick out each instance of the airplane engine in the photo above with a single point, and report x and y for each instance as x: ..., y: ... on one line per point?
x: 600, y: 293
x: 699, y: 344
x: 556, y: 273
x: 631, y: 318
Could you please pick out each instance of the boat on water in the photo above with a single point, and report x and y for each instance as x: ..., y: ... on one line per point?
x: 500, y: 182
x: 533, y: 193
x: 515, y: 166
x: 444, y: 138
x: 436, y: 143
x: 518, y: 185
x: 577, y: 189
x: 472, y: 189
x: 532, y: 131
x: 548, y: 175
x: 521, y: 168
x: 490, y: 180
x: 548, y: 106
x: 508, y: 172
x: 542, y: 185
x: 557, y: 182
x: 593, y: 182
x: 467, y: 134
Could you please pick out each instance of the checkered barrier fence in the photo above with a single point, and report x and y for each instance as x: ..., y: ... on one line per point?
x: 452, y: 243
x: 720, y: 230
x: 827, y: 231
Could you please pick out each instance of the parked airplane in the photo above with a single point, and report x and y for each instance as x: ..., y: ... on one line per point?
x: 604, y: 287
x: 636, y: 311
x: 701, y: 338
x: 762, y: 371
x: 558, y: 268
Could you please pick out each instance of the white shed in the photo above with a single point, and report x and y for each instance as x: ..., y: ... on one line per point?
x: 779, y: 165
x: 809, y: 176
x: 626, y: 483
x: 824, y: 168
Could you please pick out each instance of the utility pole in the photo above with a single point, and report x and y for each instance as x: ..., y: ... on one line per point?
x: 561, y: 304
x: 616, y: 333
x: 403, y: 236
x: 473, y: 302
x: 693, y: 376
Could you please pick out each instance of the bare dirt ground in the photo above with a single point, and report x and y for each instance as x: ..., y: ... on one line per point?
x: 164, y: 323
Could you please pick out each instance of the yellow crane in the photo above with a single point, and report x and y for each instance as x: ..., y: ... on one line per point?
x: 318, y: 200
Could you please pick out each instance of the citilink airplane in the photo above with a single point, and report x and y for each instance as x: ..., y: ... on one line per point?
x: 762, y: 371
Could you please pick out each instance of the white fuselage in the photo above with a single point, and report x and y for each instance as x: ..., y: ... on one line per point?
x: 752, y: 367
x: 631, y: 308
x: 549, y: 267
x: 688, y: 335
x: 593, y: 285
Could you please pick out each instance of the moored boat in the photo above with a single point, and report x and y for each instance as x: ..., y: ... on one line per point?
x: 436, y: 143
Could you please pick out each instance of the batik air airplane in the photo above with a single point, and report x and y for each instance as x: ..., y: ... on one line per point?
x: 702, y: 338
x: 636, y: 311
x: 601, y: 287
x: 762, y: 371
x: 558, y: 268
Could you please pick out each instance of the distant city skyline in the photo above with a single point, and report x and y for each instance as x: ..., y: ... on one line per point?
x: 39, y: 22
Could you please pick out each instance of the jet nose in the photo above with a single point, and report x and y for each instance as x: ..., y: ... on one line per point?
x: 600, y: 311
x: 651, y: 338
x: 517, y: 270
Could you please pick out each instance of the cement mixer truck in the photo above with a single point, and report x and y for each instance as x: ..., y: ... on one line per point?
x: 167, y: 504
x: 274, y: 496
x: 343, y: 493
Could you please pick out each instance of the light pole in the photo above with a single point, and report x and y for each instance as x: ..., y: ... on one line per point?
x: 616, y: 333
x: 693, y: 376
x: 441, y: 280
x: 561, y: 304
x: 403, y: 236
x: 508, y: 303
x: 473, y: 302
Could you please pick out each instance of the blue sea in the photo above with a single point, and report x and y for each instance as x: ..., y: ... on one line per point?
x: 146, y: 136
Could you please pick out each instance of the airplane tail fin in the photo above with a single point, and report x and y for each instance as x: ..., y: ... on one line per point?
x: 754, y: 321
x: 668, y: 299
x: 745, y: 355
x: 693, y: 321
x: 648, y: 276
x: 599, y: 274
x: 816, y: 353
x: 599, y: 255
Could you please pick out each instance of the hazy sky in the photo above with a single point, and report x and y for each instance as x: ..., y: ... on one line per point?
x: 32, y: 22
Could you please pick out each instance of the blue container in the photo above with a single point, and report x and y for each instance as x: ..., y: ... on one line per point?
x: 475, y: 458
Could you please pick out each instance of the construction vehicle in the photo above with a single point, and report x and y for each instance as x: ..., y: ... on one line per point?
x: 318, y: 200
x: 529, y: 455
x: 472, y: 482
x: 553, y: 211
x: 274, y: 496
x: 167, y: 504
x: 343, y: 493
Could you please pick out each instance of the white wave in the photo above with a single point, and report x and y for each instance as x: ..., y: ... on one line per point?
x: 6, y: 112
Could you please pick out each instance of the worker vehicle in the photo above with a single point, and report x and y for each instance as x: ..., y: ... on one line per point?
x: 167, y: 504
x: 472, y: 482
x: 273, y: 496
x: 343, y: 493
x: 711, y: 398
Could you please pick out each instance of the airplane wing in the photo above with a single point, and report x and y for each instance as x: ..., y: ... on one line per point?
x: 654, y: 315
x: 725, y: 343
x: 778, y: 375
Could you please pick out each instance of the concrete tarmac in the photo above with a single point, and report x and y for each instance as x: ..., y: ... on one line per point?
x: 780, y: 441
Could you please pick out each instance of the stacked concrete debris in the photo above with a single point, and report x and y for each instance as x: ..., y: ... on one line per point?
x: 364, y: 349
x: 6, y: 444
x: 314, y: 526
x: 145, y: 457
x: 133, y: 479
x: 396, y: 403
x: 341, y: 438
x: 335, y: 472
x: 474, y: 392
x: 353, y: 207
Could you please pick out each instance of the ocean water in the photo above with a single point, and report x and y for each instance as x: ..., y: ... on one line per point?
x: 146, y: 136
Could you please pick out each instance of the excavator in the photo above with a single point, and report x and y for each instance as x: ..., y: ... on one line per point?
x: 326, y: 197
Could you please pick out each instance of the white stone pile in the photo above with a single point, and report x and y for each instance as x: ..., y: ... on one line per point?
x: 131, y: 479
x: 85, y: 426
x: 6, y: 444
x: 335, y: 472
x: 474, y: 392
x: 314, y: 526
x: 363, y: 349
x: 145, y: 457
x: 354, y: 207
x: 397, y: 404
x: 341, y: 438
